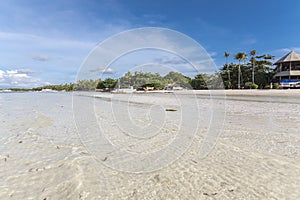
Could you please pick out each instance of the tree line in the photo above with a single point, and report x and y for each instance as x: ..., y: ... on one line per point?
x: 137, y: 80
x: 65, y: 87
x: 141, y: 80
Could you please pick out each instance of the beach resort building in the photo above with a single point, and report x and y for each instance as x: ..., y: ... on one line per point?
x: 288, y: 70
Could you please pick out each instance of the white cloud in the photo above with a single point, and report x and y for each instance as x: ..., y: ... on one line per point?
x: 18, y: 78
x: 108, y: 71
x: 1, y: 73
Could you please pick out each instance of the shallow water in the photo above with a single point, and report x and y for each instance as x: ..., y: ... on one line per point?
x: 50, y: 149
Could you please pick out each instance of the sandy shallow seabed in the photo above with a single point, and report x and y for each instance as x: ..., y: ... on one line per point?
x: 256, y: 157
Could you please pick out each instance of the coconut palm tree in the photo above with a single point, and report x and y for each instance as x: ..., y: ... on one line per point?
x: 253, y: 53
x: 240, y: 56
x: 226, y: 54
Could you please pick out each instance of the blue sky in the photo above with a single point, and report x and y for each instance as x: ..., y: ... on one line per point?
x: 45, y: 42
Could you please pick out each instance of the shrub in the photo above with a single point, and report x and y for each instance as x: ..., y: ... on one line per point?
x: 267, y: 87
x: 254, y: 86
x: 276, y: 86
x: 248, y: 85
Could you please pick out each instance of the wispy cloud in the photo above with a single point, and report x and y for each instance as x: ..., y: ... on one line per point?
x: 278, y: 53
x: 26, y: 71
x: 169, y: 61
x: 45, y: 42
x: 154, y: 19
x: 249, y: 41
x: 210, y: 28
x: 150, y: 45
x: 98, y: 71
x: 16, y: 36
x: 212, y: 54
x: 286, y: 50
x: 40, y: 57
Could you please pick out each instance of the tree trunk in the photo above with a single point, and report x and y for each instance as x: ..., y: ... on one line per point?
x: 228, y: 72
x: 239, y: 76
x: 253, y: 81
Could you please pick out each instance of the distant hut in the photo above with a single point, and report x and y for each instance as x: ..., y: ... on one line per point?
x: 288, y: 70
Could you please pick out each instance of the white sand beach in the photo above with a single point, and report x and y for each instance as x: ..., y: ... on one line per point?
x: 185, y: 145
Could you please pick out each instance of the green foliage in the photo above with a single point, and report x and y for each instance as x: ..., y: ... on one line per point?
x: 19, y: 89
x: 86, y: 85
x: 200, y: 82
x: 253, y: 53
x: 206, y: 81
x: 226, y: 73
x: 143, y: 79
x: 248, y: 85
x: 140, y: 79
x: 178, y: 78
x: 267, y: 87
x: 227, y: 83
x: 108, y: 84
x: 276, y: 86
x: 254, y: 86
x: 65, y: 87
x: 240, y: 56
x: 226, y: 54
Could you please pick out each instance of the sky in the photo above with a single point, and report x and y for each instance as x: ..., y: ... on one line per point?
x: 48, y: 42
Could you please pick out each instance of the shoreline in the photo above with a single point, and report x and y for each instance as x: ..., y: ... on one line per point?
x: 227, y: 92
x: 253, y: 92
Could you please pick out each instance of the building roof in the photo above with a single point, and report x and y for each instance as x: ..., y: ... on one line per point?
x: 291, y: 56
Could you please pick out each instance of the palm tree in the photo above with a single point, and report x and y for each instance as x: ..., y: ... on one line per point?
x: 268, y: 57
x: 240, y: 56
x: 226, y: 54
x: 253, y: 53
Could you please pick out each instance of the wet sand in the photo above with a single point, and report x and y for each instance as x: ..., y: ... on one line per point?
x: 255, y: 154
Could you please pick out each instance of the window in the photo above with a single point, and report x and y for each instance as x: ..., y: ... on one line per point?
x: 297, y: 67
